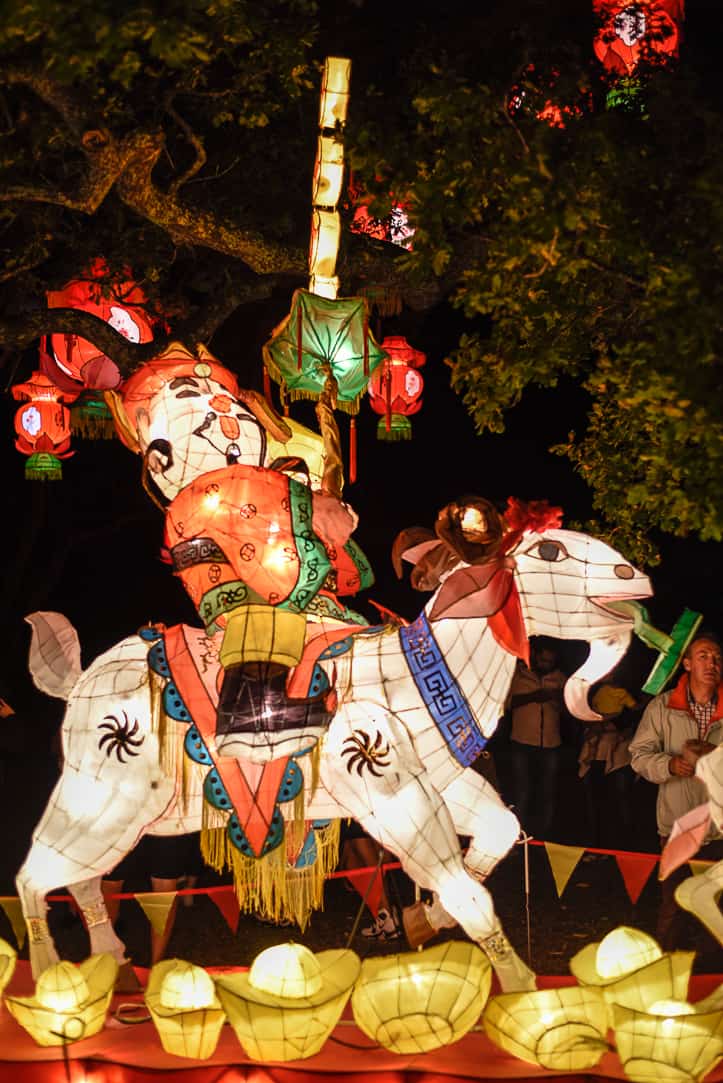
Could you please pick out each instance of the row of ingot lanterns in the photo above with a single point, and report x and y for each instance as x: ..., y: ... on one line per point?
x: 286, y: 1006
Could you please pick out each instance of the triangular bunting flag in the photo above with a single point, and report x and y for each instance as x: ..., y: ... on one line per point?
x: 635, y: 870
x: 14, y: 913
x: 563, y: 860
x: 227, y: 903
x: 697, y: 867
x: 156, y: 906
x: 368, y: 882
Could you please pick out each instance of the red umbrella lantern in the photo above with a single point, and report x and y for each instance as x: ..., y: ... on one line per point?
x: 42, y: 425
x: 395, y: 388
x: 72, y: 362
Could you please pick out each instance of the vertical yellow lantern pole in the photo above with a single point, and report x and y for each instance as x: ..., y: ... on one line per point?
x: 328, y: 177
x: 324, y: 243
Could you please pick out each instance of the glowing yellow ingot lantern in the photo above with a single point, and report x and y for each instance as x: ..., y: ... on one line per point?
x: 184, y: 1008
x: 70, y: 1001
x: 561, y: 1029
x: 290, y: 1000
x: 8, y: 959
x: 629, y: 968
x: 673, y: 1044
x: 418, y: 1001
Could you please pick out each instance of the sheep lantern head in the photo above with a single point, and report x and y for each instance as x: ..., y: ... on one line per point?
x: 526, y: 576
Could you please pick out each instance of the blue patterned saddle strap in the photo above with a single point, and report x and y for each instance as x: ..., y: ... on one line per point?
x: 442, y: 695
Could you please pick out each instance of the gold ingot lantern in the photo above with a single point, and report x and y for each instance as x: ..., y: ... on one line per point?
x: 8, y: 959
x: 670, y: 1043
x: 70, y: 1001
x: 184, y: 1008
x: 621, y: 952
x: 629, y: 968
x: 289, y: 1002
x: 418, y: 1001
x: 560, y: 1029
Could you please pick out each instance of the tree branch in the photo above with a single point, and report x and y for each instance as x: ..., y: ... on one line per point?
x: 201, y: 157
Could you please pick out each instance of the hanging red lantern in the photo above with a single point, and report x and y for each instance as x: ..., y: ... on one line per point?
x: 394, y: 228
x: 73, y: 363
x: 530, y: 97
x: 395, y: 388
x: 42, y: 425
x: 629, y: 32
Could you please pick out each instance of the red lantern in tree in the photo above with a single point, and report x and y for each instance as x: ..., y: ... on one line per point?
x: 73, y: 363
x: 395, y: 388
x: 530, y: 96
x: 42, y: 425
x: 394, y: 228
x: 630, y: 31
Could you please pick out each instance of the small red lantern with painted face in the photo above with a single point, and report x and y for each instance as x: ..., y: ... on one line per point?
x: 73, y: 363
x: 630, y: 31
x: 395, y: 388
x: 42, y: 425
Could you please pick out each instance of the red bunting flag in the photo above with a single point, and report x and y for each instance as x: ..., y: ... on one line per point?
x: 635, y: 870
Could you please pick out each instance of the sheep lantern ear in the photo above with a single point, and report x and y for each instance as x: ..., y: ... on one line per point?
x: 410, y: 545
x: 472, y: 527
x: 480, y: 590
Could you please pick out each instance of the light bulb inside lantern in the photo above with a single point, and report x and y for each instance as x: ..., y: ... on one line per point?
x: 211, y: 500
x: 288, y: 970
x: 624, y: 950
x: 671, y: 1007
x: 186, y: 987
x: 62, y: 988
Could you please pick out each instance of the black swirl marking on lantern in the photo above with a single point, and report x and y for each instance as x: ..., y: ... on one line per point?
x: 121, y: 736
x: 362, y: 753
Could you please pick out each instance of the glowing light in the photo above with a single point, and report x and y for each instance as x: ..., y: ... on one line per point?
x: 186, y: 986
x: 211, y: 500
x: 623, y: 950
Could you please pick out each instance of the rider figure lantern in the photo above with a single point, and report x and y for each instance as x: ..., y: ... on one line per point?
x: 42, y: 425
x: 246, y: 538
x: 395, y: 389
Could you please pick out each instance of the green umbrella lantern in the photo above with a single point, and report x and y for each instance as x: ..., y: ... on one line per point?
x: 324, y: 350
x: 321, y: 335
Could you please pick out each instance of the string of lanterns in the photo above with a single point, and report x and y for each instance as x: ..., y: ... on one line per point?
x: 630, y: 997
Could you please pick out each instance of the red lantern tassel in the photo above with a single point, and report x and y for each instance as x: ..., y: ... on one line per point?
x: 352, y: 450
x: 299, y: 339
x: 366, y: 346
x: 267, y: 386
x: 387, y: 377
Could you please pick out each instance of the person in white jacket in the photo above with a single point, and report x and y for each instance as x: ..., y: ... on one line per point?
x: 677, y: 728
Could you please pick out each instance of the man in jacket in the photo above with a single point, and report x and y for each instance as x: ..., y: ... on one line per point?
x: 676, y: 729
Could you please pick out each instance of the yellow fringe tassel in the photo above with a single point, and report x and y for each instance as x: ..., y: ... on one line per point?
x: 268, y: 886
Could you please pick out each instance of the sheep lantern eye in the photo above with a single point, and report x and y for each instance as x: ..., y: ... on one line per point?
x: 551, y: 551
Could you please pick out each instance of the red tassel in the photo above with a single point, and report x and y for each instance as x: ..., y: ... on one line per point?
x: 366, y: 346
x: 267, y: 386
x: 352, y: 450
x: 387, y: 378
x: 299, y: 338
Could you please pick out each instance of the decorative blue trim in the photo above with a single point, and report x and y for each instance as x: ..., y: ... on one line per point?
x: 442, y: 696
